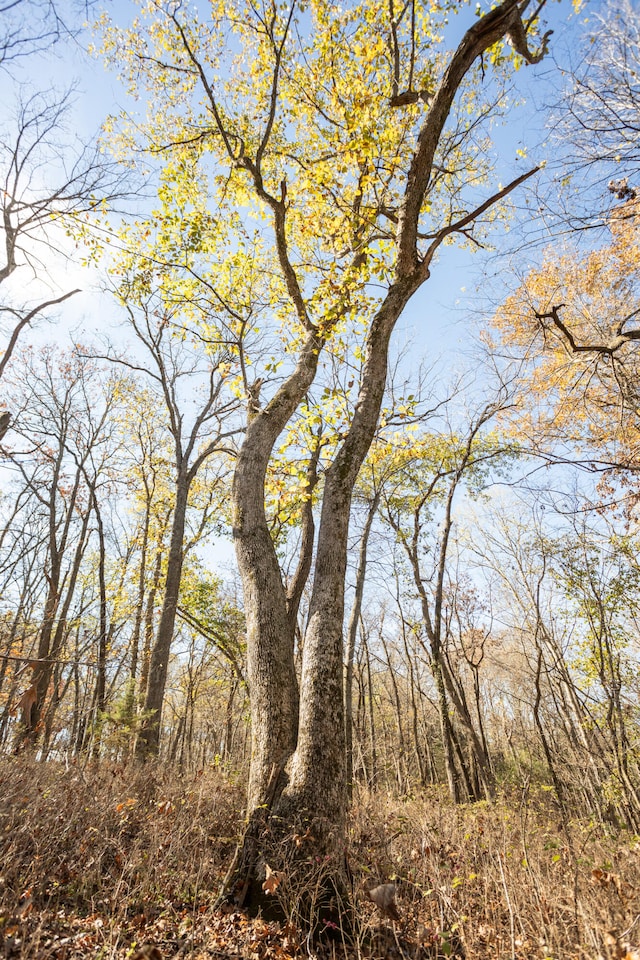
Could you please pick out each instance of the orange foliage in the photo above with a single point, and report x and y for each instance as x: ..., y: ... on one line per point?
x: 586, y: 397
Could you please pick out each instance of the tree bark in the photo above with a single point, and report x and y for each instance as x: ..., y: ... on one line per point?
x: 317, y: 789
x: 315, y: 798
x: 352, y: 631
x: 272, y: 682
x: 148, y: 742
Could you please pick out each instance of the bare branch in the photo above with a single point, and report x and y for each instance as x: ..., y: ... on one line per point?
x: 608, y: 347
x: 459, y: 225
x: 25, y: 321
x: 502, y: 20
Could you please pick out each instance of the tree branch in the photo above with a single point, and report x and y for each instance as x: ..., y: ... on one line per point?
x: 499, y: 22
x: 609, y: 347
x: 25, y: 321
x: 459, y: 225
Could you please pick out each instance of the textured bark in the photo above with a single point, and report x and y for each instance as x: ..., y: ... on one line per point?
x: 316, y: 795
x: 270, y: 627
x: 317, y: 789
x: 272, y: 682
x: 446, y: 734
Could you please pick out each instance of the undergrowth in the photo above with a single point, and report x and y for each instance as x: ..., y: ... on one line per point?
x: 101, y: 861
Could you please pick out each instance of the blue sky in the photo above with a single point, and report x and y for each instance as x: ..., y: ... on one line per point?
x: 441, y: 321
x: 437, y: 318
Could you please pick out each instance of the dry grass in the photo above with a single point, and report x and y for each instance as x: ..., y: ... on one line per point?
x: 113, y: 846
x: 95, y: 862
x: 511, y: 879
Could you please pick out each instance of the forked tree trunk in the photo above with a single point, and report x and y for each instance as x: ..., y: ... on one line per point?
x: 271, y: 677
x: 270, y: 626
x: 316, y: 795
x: 311, y: 810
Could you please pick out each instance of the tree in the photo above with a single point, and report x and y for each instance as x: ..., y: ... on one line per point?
x: 598, y: 572
x: 48, y: 183
x: 64, y: 412
x: 565, y: 592
x: 580, y: 306
x: 319, y: 121
x: 32, y: 26
x: 573, y: 321
x: 403, y: 412
x: 425, y: 474
x: 597, y: 125
x: 195, y: 438
x: 353, y: 625
x: 210, y: 614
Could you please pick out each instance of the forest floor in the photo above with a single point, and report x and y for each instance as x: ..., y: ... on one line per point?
x: 109, y: 862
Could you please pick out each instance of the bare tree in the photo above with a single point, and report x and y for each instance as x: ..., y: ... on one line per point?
x: 175, y: 367
x: 61, y: 424
x: 28, y: 27
x: 600, y: 118
x: 47, y: 185
x: 416, y: 493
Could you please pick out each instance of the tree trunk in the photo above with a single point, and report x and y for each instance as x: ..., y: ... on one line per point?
x: 315, y: 799
x: 101, y: 678
x: 270, y: 625
x: 130, y: 690
x: 317, y: 789
x: 149, y: 616
x: 446, y: 733
x: 55, y: 615
x: 271, y: 677
x: 352, y: 631
x: 148, y: 743
x: 373, y: 772
x: 401, y: 751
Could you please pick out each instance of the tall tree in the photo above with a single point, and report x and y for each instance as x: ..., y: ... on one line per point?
x: 48, y: 178
x: 596, y: 128
x: 61, y: 442
x: 418, y: 493
x: 46, y: 185
x: 172, y: 360
x: 335, y: 148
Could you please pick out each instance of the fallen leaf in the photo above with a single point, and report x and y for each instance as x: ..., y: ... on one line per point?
x: 272, y: 880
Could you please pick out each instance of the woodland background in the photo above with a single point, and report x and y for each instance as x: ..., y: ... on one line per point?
x: 491, y: 632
